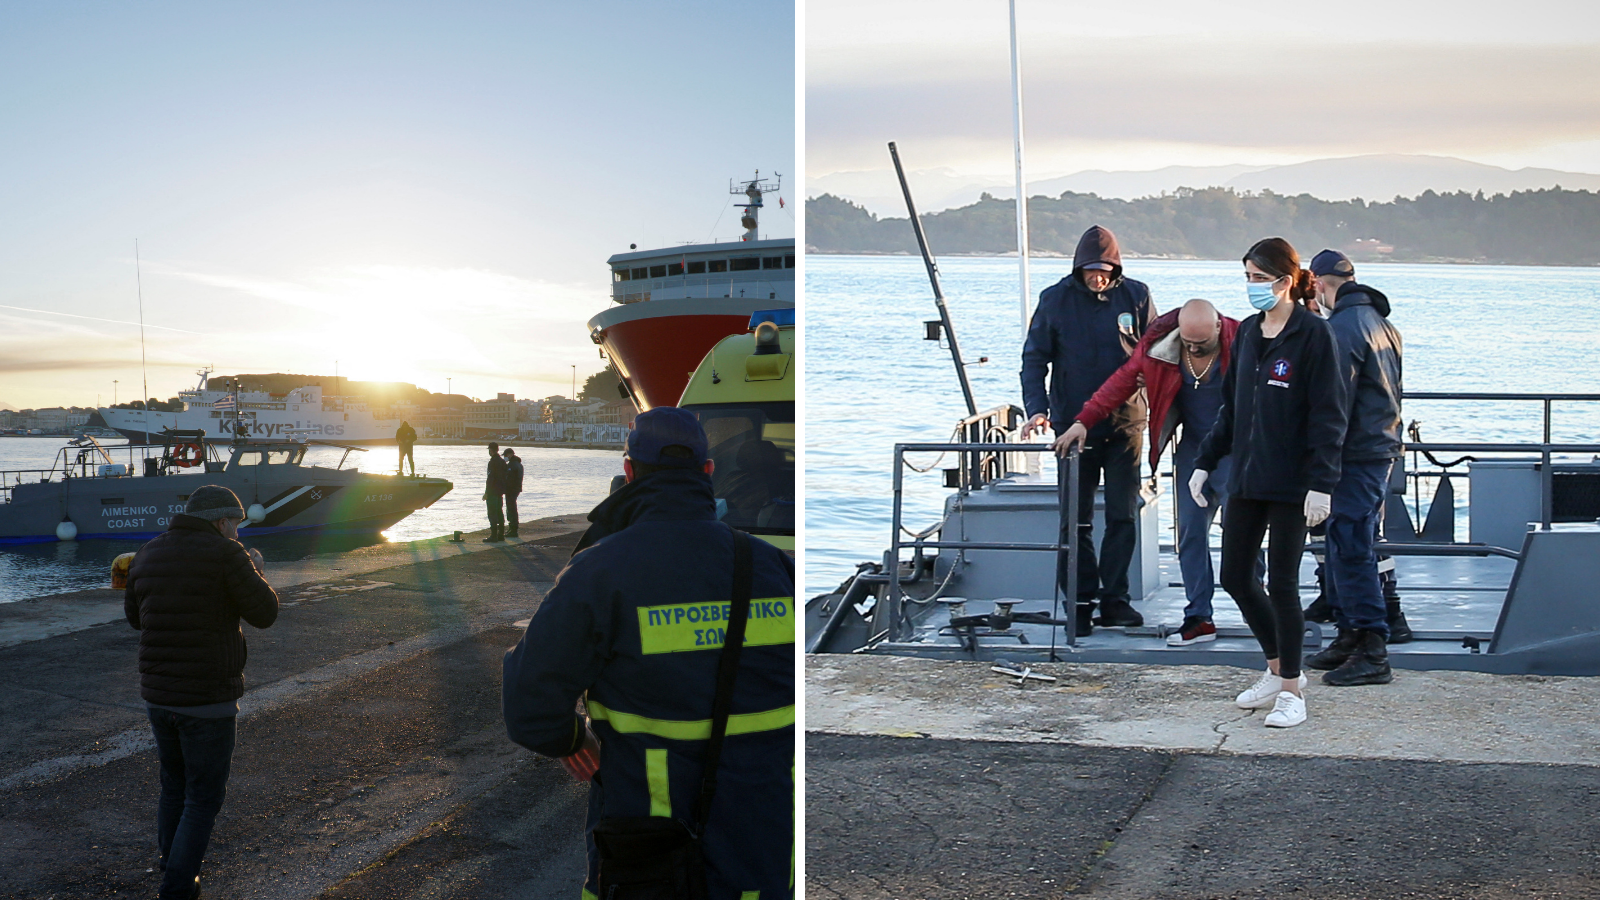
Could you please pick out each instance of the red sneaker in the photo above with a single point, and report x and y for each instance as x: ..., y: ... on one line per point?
x: 1194, y: 631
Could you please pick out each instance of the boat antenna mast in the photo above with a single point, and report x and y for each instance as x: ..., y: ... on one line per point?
x: 938, y: 292
x: 144, y: 371
x: 753, y: 189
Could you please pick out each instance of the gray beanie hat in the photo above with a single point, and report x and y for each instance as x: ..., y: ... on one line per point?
x: 212, y: 502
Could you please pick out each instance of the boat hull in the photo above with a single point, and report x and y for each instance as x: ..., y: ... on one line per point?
x: 295, y: 498
x: 656, y: 345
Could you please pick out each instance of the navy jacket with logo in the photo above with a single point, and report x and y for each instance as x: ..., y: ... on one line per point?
x: 1369, y: 349
x: 1081, y: 338
x: 636, y: 620
x: 1283, y: 411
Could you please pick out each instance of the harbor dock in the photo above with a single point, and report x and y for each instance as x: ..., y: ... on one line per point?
x: 945, y: 779
x: 371, y: 758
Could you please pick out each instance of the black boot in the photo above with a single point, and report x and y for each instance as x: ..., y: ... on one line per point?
x: 1399, y: 630
x: 512, y: 531
x: 1117, y: 612
x: 1085, y: 619
x: 1340, y: 650
x: 1320, y: 610
x: 1369, y: 664
x: 495, y: 536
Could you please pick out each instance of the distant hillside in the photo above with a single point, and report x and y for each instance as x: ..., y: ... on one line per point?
x: 1372, y: 177
x: 1544, y: 227
x: 378, y: 393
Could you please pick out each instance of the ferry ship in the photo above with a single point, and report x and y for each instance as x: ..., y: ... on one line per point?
x: 262, y: 415
x: 674, y: 304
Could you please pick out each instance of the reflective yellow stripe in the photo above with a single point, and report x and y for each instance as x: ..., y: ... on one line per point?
x: 750, y: 895
x: 588, y: 895
x: 684, y: 627
x: 655, y: 771
x: 695, y: 730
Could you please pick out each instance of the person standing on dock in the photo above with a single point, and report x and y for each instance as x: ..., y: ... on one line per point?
x: 1181, y: 360
x: 1283, y: 420
x: 494, y: 489
x: 187, y: 590
x: 1085, y: 327
x: 513, y: 487
x: 1370, y: 365
x: 406, y: 438
x: 637, y: 623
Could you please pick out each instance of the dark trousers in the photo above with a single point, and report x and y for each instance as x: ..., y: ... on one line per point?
x: 496, y: 517
x: 406, y: 453
x: 1107, y: 575
x: 195, y: 755
x: 1274, y: 614
x: 511, y: 511
x: 1352, y: 582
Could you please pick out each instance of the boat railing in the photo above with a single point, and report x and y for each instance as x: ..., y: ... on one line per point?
x: 977, y: 457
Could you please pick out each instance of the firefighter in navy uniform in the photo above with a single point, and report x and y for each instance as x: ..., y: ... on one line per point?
x: 627, y: 624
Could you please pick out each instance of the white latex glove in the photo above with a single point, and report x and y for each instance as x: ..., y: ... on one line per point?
x: 1317, y: 506
x: 1197, y: 483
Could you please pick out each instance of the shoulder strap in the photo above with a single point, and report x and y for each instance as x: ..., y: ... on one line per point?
x: 727, y: 670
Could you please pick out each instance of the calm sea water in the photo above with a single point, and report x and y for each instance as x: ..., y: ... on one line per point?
x: 555, y: 482
x: 871, y: 381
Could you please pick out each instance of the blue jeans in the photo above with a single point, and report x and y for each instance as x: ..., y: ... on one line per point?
x: 195, y: 755
x: 1352, y: 560
x: 1194, y: 526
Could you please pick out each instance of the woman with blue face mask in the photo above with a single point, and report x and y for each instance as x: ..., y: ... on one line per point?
x: 1283, y: 420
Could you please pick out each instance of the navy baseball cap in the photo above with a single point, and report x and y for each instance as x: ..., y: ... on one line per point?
x: 1332, y: 262
x: 663, y: 427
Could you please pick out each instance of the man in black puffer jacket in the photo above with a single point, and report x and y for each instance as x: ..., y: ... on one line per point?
x: 187, y: 590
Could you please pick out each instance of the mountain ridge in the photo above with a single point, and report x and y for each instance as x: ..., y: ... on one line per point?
x: 1373, y: 177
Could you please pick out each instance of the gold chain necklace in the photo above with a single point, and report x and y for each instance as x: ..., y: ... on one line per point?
x: 1189, y: 364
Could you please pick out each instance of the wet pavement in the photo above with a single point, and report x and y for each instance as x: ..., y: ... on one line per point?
x: 371, y: 759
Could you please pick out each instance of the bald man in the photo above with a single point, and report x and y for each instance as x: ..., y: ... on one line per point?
x: 1181, y: 359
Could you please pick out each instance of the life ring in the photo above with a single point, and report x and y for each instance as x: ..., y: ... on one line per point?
x: 188, y: 455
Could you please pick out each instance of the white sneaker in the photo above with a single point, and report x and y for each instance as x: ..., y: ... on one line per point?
x: 1287, y: 711
x: 1264, y: 692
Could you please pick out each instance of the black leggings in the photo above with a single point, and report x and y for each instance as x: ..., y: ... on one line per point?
x: 1276, y: 621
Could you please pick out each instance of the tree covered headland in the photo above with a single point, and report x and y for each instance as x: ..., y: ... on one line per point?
x: 1542, y: 227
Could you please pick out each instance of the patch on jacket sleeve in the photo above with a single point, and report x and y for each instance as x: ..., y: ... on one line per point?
x: 682, y: 627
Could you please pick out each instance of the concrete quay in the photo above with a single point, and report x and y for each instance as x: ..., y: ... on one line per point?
x: 371, y: 759
x: 937, y: 779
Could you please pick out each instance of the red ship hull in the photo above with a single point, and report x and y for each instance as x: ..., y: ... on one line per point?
x: 657, y: 344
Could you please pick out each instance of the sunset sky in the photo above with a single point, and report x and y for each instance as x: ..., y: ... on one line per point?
x: 414, y: 190
x: 1151, y: 83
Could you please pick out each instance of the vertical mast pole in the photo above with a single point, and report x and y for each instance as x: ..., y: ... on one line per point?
x: 1022, y: 196
x: 144, y: 370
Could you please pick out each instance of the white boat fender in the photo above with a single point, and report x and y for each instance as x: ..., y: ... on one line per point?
x: 66, y: 531
x: 256, y: 513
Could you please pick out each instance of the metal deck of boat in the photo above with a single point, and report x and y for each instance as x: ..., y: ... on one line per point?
x: 1522, y: 597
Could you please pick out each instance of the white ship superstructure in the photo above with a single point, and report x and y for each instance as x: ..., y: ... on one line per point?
x: 304, y: 411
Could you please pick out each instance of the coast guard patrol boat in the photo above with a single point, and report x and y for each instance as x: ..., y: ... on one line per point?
x: 132, y: 491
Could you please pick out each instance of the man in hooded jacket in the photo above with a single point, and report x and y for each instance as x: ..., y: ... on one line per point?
x: 626, y: 626
x: 1370, y: 365
x: 1085, y: 327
